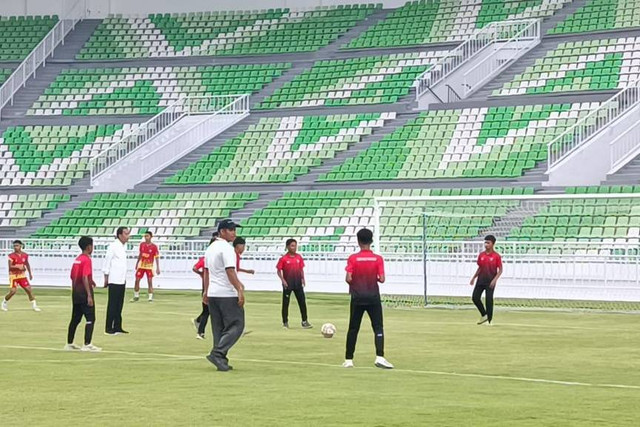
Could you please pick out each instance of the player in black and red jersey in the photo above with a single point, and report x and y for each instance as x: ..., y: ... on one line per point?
x: 365, y: 270
x: 290, y: 270
x: 487, y: 275
x: 82, y: 285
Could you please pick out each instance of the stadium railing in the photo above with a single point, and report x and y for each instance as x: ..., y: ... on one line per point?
x: 39, y: 55
x: 600, y: 118
x: 217, y: 106
x: 513, y: 33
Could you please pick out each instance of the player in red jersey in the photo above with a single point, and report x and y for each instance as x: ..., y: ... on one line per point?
x: 82, y: 285
x: 239, y: 245
x: 144, y: 266
x: 488, y: 272
x: 200, y: 322
x: 291, y: 273
x: 365, y: 270
x: 18, y: 267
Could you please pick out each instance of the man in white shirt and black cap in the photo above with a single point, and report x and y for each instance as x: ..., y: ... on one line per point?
x: 115, y: 278
x: 224, y: 293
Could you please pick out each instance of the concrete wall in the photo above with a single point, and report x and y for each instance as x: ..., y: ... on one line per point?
x: 102, y: 8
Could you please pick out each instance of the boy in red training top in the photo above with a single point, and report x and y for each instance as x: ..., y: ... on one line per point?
x: 200, y: 322
x: 18, y: 265
x: 291, y: 273
x: 82, y: 285
x: 364, y: 271
x: 148, y: 254
x: 488, y: 272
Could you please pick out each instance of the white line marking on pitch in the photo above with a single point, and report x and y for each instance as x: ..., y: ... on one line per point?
x: 176, y: 357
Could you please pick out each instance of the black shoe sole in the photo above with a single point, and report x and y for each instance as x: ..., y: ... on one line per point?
x: 378, y: 365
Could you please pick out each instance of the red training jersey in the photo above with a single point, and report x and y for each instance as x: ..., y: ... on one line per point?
x: 17, y: 262
x: 292, y: 269
x: 82, y: 267
x: 199, y: 266
x: 365, y: 268
x: 148, y: 253
x: 488, y: 263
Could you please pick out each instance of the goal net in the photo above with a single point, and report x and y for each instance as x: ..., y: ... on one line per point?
x: 570, y: 251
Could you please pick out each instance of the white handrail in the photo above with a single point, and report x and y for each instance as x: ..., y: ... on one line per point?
x: 488, y: 67
x: 581, y: 131
x: 494, y: 32
x: 624, y: 148
x: 137, y: 138
x: 39, y: 55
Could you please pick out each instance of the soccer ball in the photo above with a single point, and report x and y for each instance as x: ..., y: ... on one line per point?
x: 328, y: 330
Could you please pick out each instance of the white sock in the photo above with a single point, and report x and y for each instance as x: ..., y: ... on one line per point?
x: 151, y: 297
x: 33, y: 303
x: 136, y: 294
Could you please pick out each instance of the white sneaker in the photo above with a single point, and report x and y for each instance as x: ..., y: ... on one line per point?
x: 90, y: 347
x: 71, y: 347
x: 483, y: 319
x: 200, y: 337
x: 36, y: 308
x: 5, y: 306
x: 348, y: 364
x: 383, y: 363
x: 487, y: 323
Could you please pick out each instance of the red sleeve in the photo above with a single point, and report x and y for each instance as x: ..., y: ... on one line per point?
x: 87, y: 267
x: 156, y: 252
x: 350, y: 265
x: 26, y: 258
x: 380, y: 266
x: 499, y: 261
x: 478, y: 260
x: 200, y: 264
x: 301, y: 261
x: 280, y: 263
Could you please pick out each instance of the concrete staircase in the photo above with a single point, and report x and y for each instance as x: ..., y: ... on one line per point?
x: 514, y: 218
x: 629, y: 174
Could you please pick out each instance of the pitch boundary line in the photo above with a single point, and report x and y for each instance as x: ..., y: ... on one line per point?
x: 177, y: 357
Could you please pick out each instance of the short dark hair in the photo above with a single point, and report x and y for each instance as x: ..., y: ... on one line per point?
x: 290, y: 241
x: 149, y: 233
x: 18, y: 242
x: 84, y: 242
x: 365, y: 236
x: 490, y: 238
x: 239, y: 241
x: 120, y: 231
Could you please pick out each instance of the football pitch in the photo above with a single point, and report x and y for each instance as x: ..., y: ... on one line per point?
x: 530, y: 368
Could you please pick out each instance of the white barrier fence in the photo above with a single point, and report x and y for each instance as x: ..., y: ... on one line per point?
x: 591, y: 271
x: 39, y: 55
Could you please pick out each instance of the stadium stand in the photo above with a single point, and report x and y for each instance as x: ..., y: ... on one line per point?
x: 146, y: 90
x: 222, y: 33
x: 601, y: 15
x: 355, y: 81
x: 607, y: 219
x: 484, y: 142
x: 4, y: 74
x: 20, y: 34
x: 170, y: 216
x: 335, y: 216
x: 17, y: 209
x: 578, y: 66
x: 423, y: 22
x: 277, y: 149
x: 53, y: 155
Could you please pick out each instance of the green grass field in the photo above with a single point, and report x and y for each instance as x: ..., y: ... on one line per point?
x: 530, y: 368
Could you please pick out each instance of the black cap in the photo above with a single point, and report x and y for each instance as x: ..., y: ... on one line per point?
x: 227, y: 224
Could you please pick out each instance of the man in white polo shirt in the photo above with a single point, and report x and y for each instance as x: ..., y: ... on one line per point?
x: 224, y: 293
x: 115, y: 278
